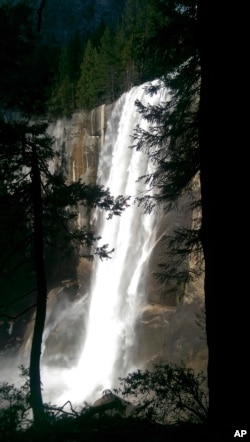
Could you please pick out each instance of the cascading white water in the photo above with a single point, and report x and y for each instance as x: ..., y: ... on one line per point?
x: 118, y: 286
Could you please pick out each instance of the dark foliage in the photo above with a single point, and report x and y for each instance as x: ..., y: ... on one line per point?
x: 171, y: 143
x: 47, y: 205
x: 27, y: 65
x: 167, y: 393
x: 78, y: 425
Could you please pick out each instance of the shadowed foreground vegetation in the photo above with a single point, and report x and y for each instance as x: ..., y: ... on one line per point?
x: 108, y: 428
x: 168, y: 403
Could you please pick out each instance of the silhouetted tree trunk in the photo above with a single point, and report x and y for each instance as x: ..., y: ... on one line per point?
x: 35, y: 379
x: 222, y: 131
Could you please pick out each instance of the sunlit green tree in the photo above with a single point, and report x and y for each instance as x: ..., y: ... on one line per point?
x: 89, y: 83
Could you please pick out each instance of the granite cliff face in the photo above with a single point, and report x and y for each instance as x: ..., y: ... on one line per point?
x: 172, y: 328
x: 78, y: 142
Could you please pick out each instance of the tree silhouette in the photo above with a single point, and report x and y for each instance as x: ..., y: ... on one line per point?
x: 221, y: 126
x: 192, y: 135
x: 26, y: 149
x: 167, y: 393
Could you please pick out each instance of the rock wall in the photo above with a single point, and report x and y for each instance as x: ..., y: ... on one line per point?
x: 172, y: 328
x: 78, y: 142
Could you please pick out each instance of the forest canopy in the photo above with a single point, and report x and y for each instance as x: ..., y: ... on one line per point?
x: 89, y: 67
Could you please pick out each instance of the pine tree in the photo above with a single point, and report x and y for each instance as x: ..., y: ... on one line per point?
x: 63, y: 96
x: 25, y: 150
x: 88, y: 86
x: 172, y: 146
x: 191, y: 136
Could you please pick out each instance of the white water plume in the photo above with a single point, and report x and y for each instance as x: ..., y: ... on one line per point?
x: 118, y: 286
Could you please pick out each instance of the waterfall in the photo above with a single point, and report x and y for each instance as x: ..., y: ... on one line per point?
x: 118, y: 288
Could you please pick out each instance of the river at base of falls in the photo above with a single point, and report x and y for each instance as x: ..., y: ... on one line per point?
x: 118, y: 287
